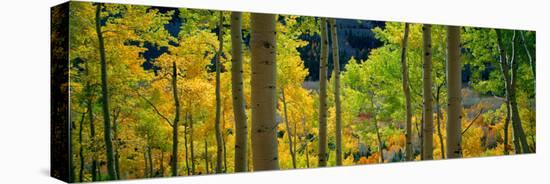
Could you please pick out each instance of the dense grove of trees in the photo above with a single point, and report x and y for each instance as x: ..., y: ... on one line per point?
x: 228, y: 93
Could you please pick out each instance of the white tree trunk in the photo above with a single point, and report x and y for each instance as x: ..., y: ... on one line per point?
x: 264, y: 101
x: 237, y: 90
x: 427, y: 132
x: 323, y: 154
x: 337, y: 103
x: 406, y: 91
x: 454, y: 107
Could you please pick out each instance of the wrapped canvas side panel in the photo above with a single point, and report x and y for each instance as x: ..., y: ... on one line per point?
x: 60, y: 128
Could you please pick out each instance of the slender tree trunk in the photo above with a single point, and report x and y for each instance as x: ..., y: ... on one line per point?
x: 105, y: 96
x: 224, y: 156
x: 509, y: 80
x: 406, y: 91
x: 337, y: 103
x: 186, y: 131
x: 504, y: 71
x: 150, y: 160
x: 295, y: 140
x: 81, y: 150
x: 378, y: 137
x: 506, y: 126
x: 89, y: 106
x: 454, y: 118
x: 206, y: 162
x: 224, y: 138
x: 532, y: 62
x: 439, y: 114
x: 306, y: 141
x: 115, y: 145
x: 421, y: 135
x: 237, y: 89
x: 427, y: 133
x: 146, y: 170
x: 211, y: 165
x: 219, y: 145
x: 323, y: 153
x: 289, y: 134
x: 92, y: 140
x: 174, y: 164
x: 264, y: 101
x: 191, y: 143
x: 380, y: 149
x: 513, y: 101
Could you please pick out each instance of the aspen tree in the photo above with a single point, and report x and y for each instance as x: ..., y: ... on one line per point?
x: 406, y: 91
x: 427, y: 132
x: 509, y: 71
x: 322, y: 150
x: 237, y: 90
x: 454, y: 105
x: 105, y: 96
x: 174, y: 164
x: 263, y: 95
x: 337, y: 102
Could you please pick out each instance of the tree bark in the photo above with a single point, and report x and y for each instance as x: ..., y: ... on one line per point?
x: 454, y: 118
x: 175, y: 126
x: 421, y: 134
x: 206, y: 162
x: 105, y: 96
x: 427, y: 132
x: 89, y: 106
x: 264, y: 101
x: 150, y: 160
x: 289, y: 133
x: 506, y: 126
x: 513, y: 101
x: 322, y: 150
x: 439, y: 114
x: 406, y: 91
x: 217, y: 126
x: 337, y: 103
x: 237, y: 89
x: 509, y: 70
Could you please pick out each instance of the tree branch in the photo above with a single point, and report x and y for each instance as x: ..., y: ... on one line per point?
x: 156, y: 110
x: 472, y: 122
